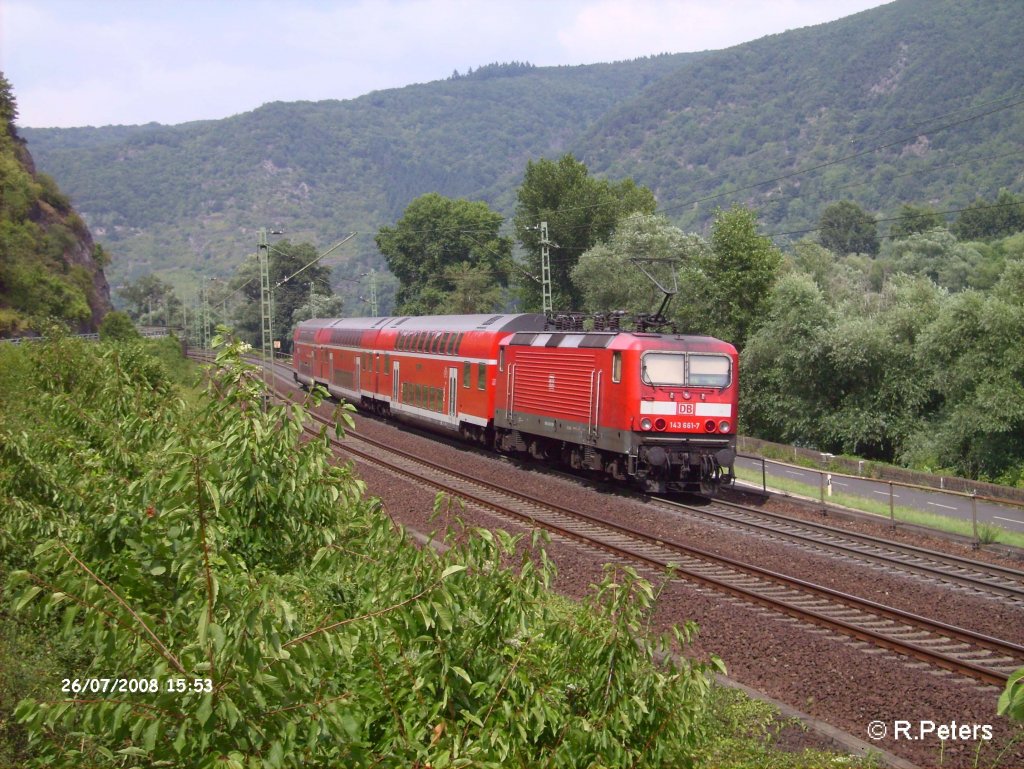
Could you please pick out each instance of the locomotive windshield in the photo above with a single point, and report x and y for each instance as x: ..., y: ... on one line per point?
x: 709, y: 371
x: 680, y: 370
x: 664, y: 369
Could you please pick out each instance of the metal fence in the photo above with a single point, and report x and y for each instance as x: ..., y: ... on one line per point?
x: 865, y: 469
x: 826, y: 478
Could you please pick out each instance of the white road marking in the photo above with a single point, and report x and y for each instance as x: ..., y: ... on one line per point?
x: 1011, y: 520
x: 886, y: 493
x: 945, y: 507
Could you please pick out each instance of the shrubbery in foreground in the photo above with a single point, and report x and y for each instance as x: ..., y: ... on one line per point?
x: 209, y: 553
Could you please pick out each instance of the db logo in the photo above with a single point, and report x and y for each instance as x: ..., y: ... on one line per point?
x: 686, y: 408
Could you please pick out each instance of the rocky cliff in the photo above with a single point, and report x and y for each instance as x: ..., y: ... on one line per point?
x: 50, y: 268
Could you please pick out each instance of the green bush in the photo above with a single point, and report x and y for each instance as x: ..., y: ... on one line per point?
x: 282, y: 616
x: 117, y: 327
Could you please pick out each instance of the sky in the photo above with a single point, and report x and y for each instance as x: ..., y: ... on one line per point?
x: 129, y: 62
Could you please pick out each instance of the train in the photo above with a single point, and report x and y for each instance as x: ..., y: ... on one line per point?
x: 656, y: 411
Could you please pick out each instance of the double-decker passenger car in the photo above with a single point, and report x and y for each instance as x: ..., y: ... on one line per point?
x: 658, y: 410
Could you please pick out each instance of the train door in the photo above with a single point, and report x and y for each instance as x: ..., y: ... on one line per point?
x: 453, y: 392
x: 510, y: 397
x: 394, y: 382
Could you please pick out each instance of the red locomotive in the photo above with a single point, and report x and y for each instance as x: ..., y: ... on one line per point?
x: 658, y: 410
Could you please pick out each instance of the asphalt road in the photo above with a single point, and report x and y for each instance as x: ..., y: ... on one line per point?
x: 937, y: 502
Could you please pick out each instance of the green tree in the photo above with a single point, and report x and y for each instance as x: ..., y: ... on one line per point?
x: 915, y: 219
x: 724, y: 291
x: 151, y: 299
x: 939, y: 256
x: 608, y: 280
x: 984, y: 220
x: 474, y: 290
x: 8, y: 104
x: 117, y: 327
x: 289, y: 293
x: 580, y: 210
x: 846, y: 228
x: 972, y: 354
x: 437, y: 233
x: 781, y: 389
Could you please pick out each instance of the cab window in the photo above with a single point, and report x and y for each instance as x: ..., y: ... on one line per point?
x: 616, y: 366
x: 709, y: 371
x: 663, y: 368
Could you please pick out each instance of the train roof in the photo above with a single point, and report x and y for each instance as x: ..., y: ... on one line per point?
x: 482, y: 322
x: 616, y: 339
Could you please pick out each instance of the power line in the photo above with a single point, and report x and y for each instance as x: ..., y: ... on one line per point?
x: 843, y: 159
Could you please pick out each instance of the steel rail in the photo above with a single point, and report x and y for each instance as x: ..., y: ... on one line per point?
x: 873, y: 609
x: 981, y: 583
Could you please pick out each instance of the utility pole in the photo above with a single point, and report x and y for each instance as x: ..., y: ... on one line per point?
x: 545, y: 270
x: 373, y: 293
x: 205, y: 315
x: 266, y: 302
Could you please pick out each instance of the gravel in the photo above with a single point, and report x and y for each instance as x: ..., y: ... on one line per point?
x: 842, y: 682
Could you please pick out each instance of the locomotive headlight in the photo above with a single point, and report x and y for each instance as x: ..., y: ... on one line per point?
x: 724, y: 426
x: 645, y: 424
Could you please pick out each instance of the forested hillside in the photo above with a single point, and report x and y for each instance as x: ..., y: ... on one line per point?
x: 49, y: 265
x: 914, y: 102
x: 918, y: 101
x: 190, y: 197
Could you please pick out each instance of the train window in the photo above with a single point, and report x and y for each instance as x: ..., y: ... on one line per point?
x: 709, y: 371
x: 481, y: 376
x: 387, y: 363
x: 501, y: 359
x: 450, y: 347
x: 467, y: 369
x: 435, y: 342
x: 617, y: 366
x: 458, y: 343
x: 663, y: 368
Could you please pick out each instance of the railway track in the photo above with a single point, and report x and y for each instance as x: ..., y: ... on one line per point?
x: 960, y: 651
x: 993, y: 580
